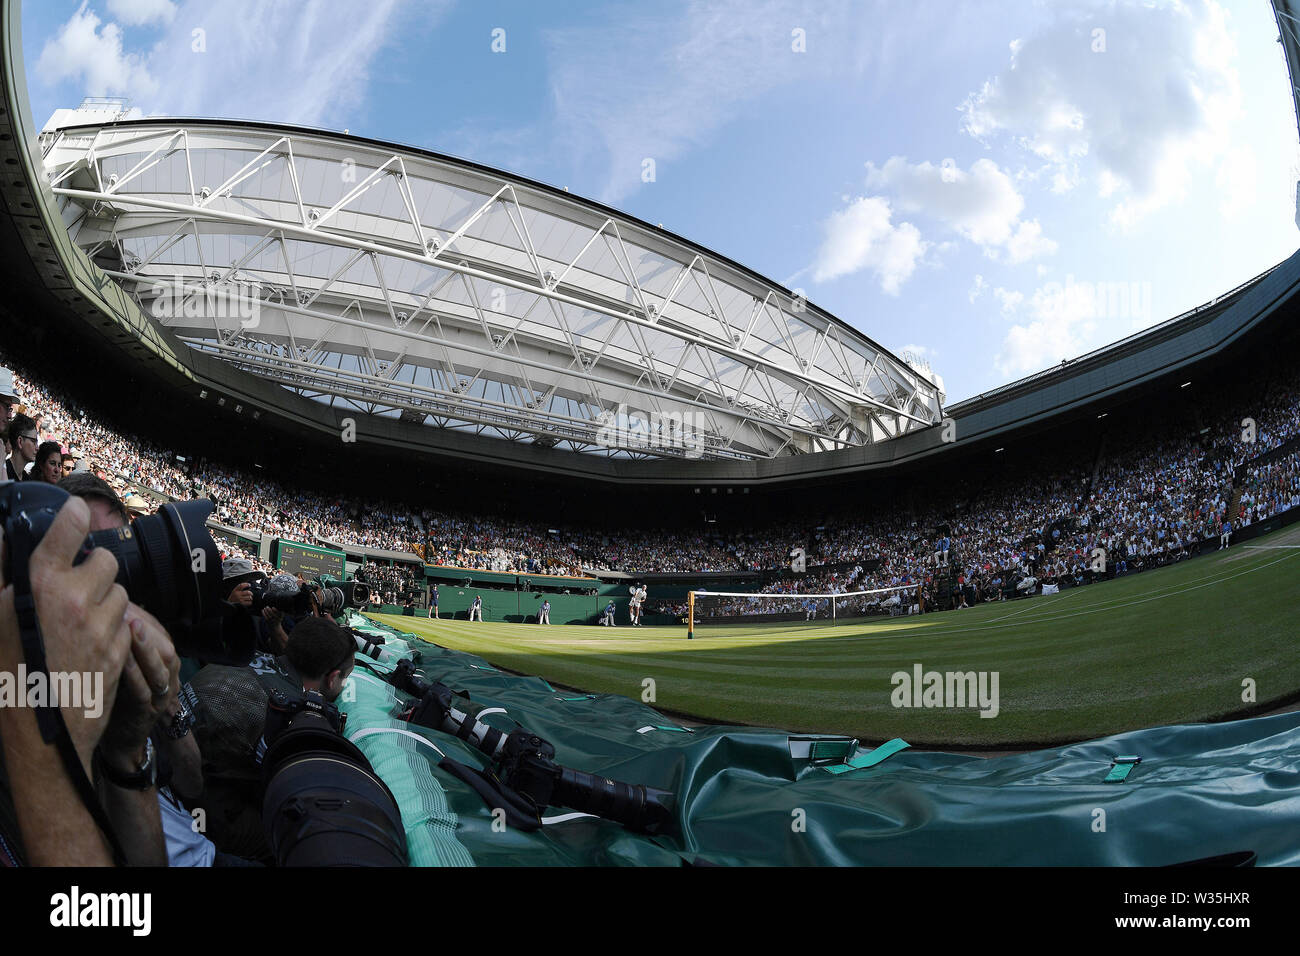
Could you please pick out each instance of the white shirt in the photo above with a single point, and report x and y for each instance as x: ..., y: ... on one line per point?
x: 185, y: 846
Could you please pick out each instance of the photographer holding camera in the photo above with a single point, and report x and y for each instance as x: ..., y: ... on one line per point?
x: 179, y: 777
x: 262, y: 729
x: 89, y: 628
x: 248, y: 587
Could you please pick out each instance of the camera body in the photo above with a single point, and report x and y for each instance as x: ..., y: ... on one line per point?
x: 167, y: 562
x: 297, y: 598
x: 283, y: 712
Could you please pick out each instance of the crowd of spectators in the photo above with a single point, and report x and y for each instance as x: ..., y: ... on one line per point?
x: 1151, y: 496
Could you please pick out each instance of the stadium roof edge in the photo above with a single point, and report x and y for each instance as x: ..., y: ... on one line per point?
x: 763, y: 372
x: 1287, y: 14
x: 1129, y: 343
x: 556, y: 192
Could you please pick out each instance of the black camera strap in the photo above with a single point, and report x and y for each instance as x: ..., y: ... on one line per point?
x: 521, y: 813
x: 50, y: 721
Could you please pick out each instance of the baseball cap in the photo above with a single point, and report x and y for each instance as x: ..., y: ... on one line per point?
x: 7, y: 390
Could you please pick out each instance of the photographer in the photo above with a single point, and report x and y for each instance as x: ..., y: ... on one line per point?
x: 179, y: 776
x: 320, y: 657
x: 232, y: 715
x: 244, y: 581
x: 89, y: 627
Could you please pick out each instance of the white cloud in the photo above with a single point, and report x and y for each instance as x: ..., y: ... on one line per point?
x: 1064, y: 320
x: 1236, y: 180
x: 141, y: 12
x: 981, y: 204
x: 1142, y: 113
x: 1029, y: 243
x: 977, y: 288
x: 291, y: 64
x: 83, y: 52
x: 1008, y: 301
x: 264, y: 61
x: 656, y: 84
x: 862, y: 236
x: 1060, y: 325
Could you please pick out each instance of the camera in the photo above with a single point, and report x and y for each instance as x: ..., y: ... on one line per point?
x: 167, y: 562
x: 323, y: 804
x: 286, y: 593
x: 527, y: 778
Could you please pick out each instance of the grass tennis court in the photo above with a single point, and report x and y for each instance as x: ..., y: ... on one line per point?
x: 1166, y: 646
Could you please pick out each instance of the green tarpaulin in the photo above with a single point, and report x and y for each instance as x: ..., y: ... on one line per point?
x: 749, y: 796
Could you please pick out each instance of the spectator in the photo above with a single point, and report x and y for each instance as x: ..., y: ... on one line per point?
x: 23, y: 444
x: 49, y: 463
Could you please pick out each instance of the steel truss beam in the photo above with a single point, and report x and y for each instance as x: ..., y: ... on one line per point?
x: 425, y: 285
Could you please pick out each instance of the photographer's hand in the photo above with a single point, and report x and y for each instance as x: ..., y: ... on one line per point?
x: 279, y: 638
x: 81, y: 613
x: 83, y: 618
x: 242, y: 595
x: 149, y: 688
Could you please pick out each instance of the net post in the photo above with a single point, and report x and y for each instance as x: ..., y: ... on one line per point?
x: 690, y: 615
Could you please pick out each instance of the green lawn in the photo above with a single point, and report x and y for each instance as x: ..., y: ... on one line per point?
x: 1167, y: 646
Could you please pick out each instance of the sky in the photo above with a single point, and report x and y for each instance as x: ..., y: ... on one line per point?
x: 989, y: 187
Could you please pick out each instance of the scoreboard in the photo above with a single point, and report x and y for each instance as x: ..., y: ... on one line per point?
x: 309, y: 560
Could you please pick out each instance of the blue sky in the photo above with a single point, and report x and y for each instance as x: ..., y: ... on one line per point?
x: 991, y: 186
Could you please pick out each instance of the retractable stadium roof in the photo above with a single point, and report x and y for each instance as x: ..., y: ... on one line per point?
x: 396, y: 282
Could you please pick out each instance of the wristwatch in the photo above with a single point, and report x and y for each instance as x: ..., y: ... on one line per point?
x: 184, y: 719
x: 143, y: 778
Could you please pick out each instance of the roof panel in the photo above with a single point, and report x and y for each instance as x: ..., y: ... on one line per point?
x: 612, y: 313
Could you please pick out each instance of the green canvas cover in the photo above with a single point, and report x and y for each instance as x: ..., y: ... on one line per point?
x: 752, y: 796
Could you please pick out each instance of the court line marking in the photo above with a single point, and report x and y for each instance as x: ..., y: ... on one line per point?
x: 1094, y: 610
x: 1051, y: 617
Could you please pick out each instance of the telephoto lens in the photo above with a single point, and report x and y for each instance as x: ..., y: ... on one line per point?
x: 323, y: 804
x: 167, y: 562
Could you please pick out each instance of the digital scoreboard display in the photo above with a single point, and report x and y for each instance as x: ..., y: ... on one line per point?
x: 309, y: 560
